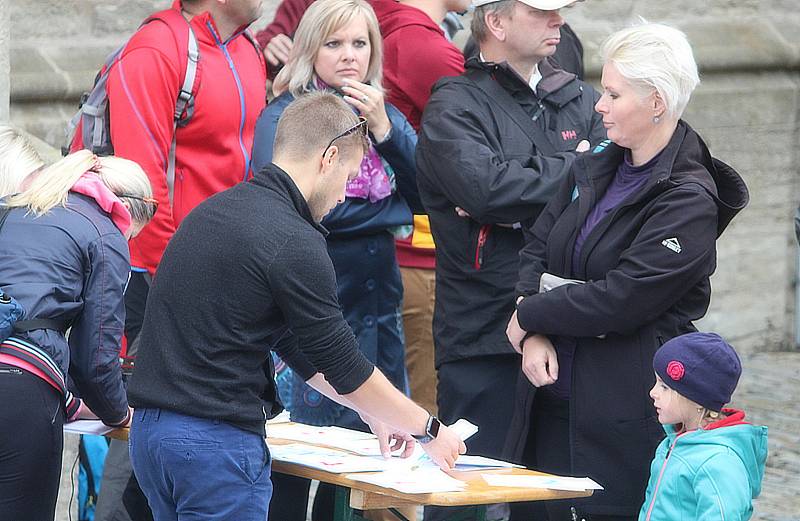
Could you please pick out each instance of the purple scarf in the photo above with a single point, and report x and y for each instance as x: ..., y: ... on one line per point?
x: 375, y: 179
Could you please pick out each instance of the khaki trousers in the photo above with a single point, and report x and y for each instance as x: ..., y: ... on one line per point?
x: 419, y: 289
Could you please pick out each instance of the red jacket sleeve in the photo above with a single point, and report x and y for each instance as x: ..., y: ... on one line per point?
x: 142, y: 90
x: 287, y: 18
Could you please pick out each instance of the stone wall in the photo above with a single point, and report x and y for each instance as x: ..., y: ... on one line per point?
x: 5, y: 70
x: 747, y: 108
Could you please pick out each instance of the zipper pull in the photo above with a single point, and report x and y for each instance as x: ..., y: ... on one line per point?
x: 483, y: 234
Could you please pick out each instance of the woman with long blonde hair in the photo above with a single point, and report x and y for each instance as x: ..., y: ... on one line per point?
x: 64, y: 260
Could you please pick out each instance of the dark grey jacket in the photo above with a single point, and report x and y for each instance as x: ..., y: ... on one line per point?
x: 646, y: 265
x: 72, y: 265
x: 475, y: 154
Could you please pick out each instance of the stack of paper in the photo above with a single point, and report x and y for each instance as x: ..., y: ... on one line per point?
x: 362, y: 443
x: 87, y: 427
x: 329, y: 460
x: 420, y: 481
x: 549, y: 482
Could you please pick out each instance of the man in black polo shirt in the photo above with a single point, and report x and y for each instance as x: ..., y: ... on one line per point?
x: 246, y: 266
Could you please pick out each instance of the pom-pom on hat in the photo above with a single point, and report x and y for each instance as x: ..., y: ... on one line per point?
x: 700, y: 366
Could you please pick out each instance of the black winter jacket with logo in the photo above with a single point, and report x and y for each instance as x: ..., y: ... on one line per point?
x: 646, y: 265
x: 472, y: 153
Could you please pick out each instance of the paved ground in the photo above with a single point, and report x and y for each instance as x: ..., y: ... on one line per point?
x: 769, y: 391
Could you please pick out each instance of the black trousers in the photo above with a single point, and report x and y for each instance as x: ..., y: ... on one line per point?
x: 548, y: 449
x: 480, y: 389
x: 31, y: 444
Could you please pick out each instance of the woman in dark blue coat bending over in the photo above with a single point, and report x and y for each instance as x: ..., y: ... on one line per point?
x: 64, y: 260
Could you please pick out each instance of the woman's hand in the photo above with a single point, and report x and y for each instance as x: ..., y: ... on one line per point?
x: 85, y: 413
x: 539, y: 360
x: 369, y: 102
x: 389, y: 440
x: 278, y: 49
x: 515, y: 333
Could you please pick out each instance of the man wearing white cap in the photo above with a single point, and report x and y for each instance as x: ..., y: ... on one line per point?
x: 493, y: 146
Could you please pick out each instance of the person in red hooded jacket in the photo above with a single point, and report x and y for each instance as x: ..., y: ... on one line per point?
x: 212, y: 151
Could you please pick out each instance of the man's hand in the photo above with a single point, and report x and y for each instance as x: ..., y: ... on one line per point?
x: 539, y: 361
x: 277, y: 50
x: 515, y: 333
x: 445, y: 448
x: 390, y: 440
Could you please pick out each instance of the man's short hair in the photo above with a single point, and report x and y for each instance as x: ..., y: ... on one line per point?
x: 311, y: 121
x: 479, y: 29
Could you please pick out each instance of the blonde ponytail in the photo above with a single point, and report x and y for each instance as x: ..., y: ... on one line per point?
x: 124, y: 178
x: 18, y: 159
x: 50, y: 187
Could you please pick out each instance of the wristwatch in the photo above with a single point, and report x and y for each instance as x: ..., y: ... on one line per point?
x: 431, y: 430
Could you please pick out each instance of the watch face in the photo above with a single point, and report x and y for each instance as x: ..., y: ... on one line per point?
x: 434, y: 429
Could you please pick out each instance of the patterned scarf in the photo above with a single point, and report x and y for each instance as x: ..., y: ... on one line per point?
x: 375, y: 180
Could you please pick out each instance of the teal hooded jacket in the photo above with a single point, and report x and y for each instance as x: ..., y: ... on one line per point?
x: 707, y: 474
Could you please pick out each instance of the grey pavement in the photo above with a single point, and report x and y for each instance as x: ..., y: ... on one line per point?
x: 768, y: 392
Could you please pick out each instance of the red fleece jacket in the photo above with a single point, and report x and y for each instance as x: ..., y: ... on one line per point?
x: 213, y: 150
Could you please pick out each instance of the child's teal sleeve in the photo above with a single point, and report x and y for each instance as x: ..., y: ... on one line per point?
x: 722, y: 489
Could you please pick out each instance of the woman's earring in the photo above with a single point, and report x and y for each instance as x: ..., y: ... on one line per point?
x: 656, y: 119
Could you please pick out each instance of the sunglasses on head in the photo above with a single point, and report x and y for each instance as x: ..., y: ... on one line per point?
x: 360, y: 127
x: 148, y: 200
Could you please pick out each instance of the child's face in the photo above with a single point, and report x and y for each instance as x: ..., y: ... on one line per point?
x: 672, y: 408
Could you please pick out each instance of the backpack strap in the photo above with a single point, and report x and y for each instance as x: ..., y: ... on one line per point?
x: 512, y: 108
x: 22, y: 326
x: 38, y: 323
x: 186, y: 96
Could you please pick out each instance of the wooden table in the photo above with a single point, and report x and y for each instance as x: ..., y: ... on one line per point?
x: 355, y: 496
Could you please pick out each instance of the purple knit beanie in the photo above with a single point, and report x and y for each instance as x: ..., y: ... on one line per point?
x: 700, y: 366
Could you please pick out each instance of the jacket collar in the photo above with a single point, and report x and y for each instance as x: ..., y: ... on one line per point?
x: 556, y: 86
x: 275, y: 179
x: 685, y: 159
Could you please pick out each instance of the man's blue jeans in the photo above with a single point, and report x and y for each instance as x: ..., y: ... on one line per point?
x: 198, y: 469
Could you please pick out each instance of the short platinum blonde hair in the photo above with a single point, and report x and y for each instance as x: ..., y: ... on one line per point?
x: 655, y: 57
x: 321, y: 19
x: 18, y: 159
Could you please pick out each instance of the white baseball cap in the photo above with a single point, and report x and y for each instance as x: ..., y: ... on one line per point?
x: 544, y: 5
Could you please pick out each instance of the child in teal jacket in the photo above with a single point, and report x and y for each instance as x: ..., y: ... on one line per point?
x: 710, y: 465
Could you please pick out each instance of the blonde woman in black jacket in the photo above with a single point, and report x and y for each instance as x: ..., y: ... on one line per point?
x: 617, y: 264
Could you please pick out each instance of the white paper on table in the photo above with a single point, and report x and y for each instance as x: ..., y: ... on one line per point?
x: 283, y: 417
x: 549, y: 482
x: 420, y: 481
x: 467, y: 462
x: 338, y: 437
x: 329, y: 460
x: 95, y: 427
x: 464, y: 429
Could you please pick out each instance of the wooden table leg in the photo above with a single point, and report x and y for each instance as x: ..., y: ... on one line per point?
x: 342, y: 511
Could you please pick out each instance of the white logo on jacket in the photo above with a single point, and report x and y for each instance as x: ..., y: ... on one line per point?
x: 672, y: 243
